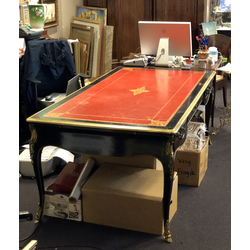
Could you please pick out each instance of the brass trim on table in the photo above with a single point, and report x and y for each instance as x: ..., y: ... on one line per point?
x: 196, y: 99
x: 136, y: 128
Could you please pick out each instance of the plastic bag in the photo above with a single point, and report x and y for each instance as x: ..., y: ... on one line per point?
x: 196, y: 136
x: 196, y: 130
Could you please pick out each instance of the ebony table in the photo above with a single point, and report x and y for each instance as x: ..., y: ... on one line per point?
x: 128, y: 111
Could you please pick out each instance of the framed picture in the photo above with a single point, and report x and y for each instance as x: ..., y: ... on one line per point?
x: 52, y: 16
x: 24, y: 14
x: 209, y: 29
x: 97, y: 41
x: 85, y: 35
x: 92, y: 13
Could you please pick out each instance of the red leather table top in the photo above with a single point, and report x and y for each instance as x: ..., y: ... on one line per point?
x: 132, y: 96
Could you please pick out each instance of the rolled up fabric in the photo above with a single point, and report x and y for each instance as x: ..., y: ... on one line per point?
x: 76, y: 191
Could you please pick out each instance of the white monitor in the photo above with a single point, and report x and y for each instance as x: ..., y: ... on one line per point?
x: 165, y: 38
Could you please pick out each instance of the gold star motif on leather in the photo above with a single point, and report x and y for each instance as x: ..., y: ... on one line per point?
x: 139, y: 90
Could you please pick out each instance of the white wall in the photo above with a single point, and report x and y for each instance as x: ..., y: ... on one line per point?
x: 66, y: 9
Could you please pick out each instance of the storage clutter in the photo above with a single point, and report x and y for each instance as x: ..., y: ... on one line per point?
x: 127, y: 192
x: 114, y: 195
x: 191, y: 158
x: 59, y: 194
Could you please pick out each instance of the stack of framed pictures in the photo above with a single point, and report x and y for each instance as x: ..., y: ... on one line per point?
x: 91, y: 29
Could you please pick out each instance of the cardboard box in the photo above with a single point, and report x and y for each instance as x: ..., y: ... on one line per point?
x: 126, y: 197
x: 191, y: 165
x: 57, y: 194
x: 145, y: 161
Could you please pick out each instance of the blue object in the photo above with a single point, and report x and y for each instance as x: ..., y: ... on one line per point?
x: 205, y: 40
x: 213, y: 52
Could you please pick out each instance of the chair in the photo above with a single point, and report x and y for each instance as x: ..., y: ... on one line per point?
x: 46, y: 68
x: 223, y: 45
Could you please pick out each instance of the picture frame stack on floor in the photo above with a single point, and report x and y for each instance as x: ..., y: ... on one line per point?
x: 90, y: 27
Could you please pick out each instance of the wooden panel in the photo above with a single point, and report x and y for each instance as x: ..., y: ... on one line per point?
x: 178, y: 10
x: 183, y: 11
x: 124, y: 16
x: 113, y: 16
x: 128, y: 26
x: 95, y: 3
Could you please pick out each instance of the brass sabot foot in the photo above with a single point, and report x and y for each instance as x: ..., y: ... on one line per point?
x: 38, y: 215
x: 167, y: 234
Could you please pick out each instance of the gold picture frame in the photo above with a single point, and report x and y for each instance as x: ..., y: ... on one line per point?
x: 85, y: 35
x: 97, y: 44
x: 92, y: 13
x: 52, y: 17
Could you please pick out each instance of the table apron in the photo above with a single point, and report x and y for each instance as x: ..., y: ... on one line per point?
x: 101, y: 143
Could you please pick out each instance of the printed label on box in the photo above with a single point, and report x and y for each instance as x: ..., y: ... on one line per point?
x: 191, y: 165
x: 58, y: 206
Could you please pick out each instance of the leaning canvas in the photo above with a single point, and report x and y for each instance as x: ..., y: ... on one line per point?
x: 92, y: 13
x: 209, y: 29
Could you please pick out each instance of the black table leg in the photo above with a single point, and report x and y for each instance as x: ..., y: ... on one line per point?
x: 168, y: 169
x: 35, y: 155
x: 209, y: 108
x: 211, y: 102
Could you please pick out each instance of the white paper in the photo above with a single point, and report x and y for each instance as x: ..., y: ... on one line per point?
x: 226, y: 68
x: 22, y: 44
x: 202, y: 108
x: 64, y: 155
x: 72, y: 40
x: 49, y: 150
x: 46, y: 153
